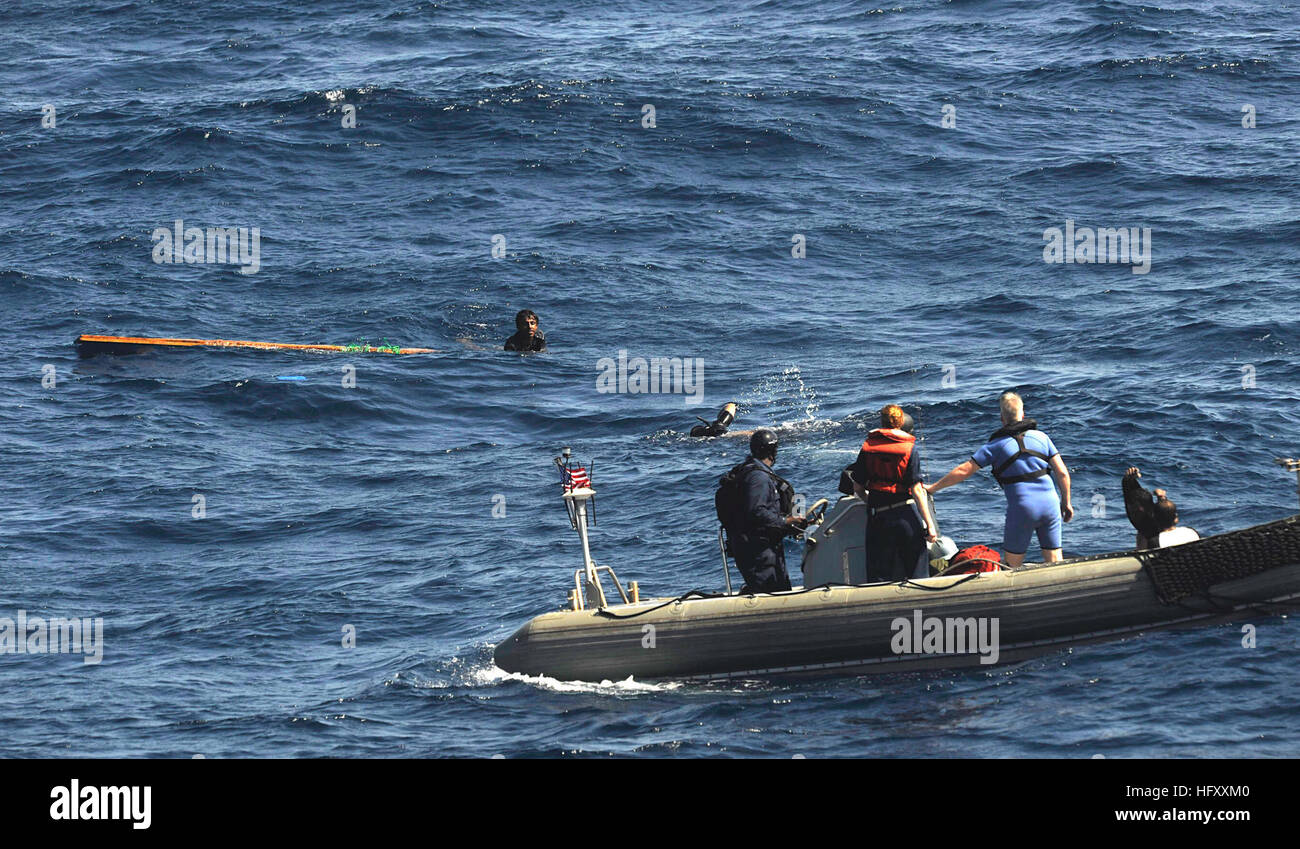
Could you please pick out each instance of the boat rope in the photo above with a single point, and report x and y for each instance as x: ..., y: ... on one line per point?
x: 692, y: 594
x: 906, y: 582
x: 914, y: 585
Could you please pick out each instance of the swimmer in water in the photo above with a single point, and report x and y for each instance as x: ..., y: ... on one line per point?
x: 528, y: 335
x: 718, y: 426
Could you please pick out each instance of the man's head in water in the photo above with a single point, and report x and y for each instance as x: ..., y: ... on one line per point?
x: 762, y: 445
x: 1164, y: 512
x: 526, y: 322
x: 1011, y: 407
x: 528, y: 336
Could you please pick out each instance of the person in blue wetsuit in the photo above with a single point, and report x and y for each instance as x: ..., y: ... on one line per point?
x: 1024, y: 461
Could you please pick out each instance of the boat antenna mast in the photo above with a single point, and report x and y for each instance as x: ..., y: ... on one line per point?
x: 575, y: 483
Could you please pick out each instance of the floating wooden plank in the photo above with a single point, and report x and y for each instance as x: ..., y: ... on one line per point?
x: 90, y: 345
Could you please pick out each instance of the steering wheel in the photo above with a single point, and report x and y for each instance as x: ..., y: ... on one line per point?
x: 817, y: 511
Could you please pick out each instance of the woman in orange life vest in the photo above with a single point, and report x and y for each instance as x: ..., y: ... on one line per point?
x: 887, y: 476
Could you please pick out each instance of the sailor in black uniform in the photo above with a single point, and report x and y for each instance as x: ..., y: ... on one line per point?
x: 765, y: 520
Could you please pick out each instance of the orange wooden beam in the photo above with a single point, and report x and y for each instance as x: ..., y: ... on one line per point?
x: 88, y: 342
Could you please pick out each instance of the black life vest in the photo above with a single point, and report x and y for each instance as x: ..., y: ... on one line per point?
x: 728, y: 501
x: 1019, y: 436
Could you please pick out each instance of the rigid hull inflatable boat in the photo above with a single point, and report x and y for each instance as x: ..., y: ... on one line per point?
x: 837, y: 623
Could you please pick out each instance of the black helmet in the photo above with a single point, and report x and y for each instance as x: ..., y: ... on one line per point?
x: 762, y: 445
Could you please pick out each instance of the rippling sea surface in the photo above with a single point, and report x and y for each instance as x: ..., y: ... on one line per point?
x: 924, y: 281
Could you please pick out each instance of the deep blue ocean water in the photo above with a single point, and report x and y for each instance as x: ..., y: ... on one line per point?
x: 372, y: 506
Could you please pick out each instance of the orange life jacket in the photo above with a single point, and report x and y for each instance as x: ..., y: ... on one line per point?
x: 887, y: 453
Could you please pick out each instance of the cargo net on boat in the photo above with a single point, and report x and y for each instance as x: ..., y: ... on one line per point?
x: 1192, y: 568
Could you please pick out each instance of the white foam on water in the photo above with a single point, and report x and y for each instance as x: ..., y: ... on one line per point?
x: 493, y: 674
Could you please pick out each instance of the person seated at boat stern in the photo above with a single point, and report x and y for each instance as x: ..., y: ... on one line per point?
x: 757, y: 535
x: 1022, y: 457
x: 527, y: 335
x: 1154, y: 517
x: 887, y: 476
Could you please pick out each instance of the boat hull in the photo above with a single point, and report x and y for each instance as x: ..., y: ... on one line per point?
x: 855, y: 629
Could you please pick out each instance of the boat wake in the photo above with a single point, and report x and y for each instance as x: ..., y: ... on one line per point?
x: 492, y: 675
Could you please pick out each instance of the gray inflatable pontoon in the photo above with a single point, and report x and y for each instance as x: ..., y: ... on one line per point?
x: 839, y: 626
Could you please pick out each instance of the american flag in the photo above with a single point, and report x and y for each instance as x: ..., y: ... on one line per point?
x: 576, y: 478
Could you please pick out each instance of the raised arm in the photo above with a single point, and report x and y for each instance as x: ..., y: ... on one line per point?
x: 1138, y: 506
x: 957, y: 475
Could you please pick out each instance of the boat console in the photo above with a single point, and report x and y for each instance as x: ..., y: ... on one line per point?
x: 835, y: 551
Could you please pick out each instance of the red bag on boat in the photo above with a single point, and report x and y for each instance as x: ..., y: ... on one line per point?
x: 977, y: 558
